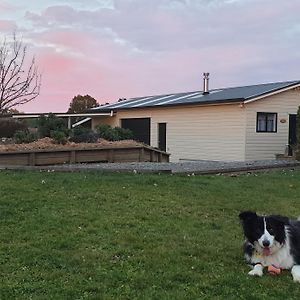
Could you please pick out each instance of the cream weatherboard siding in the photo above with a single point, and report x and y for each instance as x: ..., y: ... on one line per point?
x: 104, y: 120
x: 215, y: 132
x: 267, y: 145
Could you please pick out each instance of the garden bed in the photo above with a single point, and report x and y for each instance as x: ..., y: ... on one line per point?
x: 8, y: 145
x: 44, y: 152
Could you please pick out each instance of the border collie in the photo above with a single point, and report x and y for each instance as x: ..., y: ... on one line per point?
x: 271, y: 241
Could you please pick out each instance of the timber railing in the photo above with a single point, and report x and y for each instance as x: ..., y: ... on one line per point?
x: 42, y: 157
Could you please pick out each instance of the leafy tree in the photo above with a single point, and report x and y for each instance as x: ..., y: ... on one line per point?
x: 80, y: 104
x: 51, y: 123
x: 20, y: 80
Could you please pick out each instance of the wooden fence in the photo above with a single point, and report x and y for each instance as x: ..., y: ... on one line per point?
x: 90, y: 155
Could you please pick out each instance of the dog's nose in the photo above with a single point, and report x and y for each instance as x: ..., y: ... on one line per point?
x: 266, y: 243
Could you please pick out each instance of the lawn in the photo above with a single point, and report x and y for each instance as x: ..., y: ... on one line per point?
x: 136, y: 236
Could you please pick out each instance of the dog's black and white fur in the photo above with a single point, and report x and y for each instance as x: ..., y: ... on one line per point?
x: 271, y: 240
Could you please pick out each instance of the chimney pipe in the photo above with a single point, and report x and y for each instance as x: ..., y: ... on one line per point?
x: 205, y: 83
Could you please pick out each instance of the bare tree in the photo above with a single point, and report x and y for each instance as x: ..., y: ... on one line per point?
x: 19, y: 82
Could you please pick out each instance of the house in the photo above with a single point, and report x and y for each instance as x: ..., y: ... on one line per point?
x: 231, y: 124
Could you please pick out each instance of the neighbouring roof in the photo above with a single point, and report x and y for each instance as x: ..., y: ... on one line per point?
x: 215, y: 96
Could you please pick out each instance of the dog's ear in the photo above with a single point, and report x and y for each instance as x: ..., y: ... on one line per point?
x: 280, y: 219
x: 247, y: 215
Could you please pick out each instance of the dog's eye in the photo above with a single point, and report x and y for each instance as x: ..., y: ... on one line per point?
x: 271, y: 231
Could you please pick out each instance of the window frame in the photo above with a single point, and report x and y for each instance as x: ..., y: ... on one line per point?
x: 266, y: 120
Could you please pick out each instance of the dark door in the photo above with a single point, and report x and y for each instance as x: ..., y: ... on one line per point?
x: 162, y: 136
x: 140, y: 128
x: 292, y: 133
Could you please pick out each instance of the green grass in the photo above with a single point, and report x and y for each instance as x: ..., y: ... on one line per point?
x: 125, y: 236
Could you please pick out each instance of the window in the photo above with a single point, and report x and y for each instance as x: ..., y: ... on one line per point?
x: 266, y: 122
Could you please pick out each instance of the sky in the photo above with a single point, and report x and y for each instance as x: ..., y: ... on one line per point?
x: 113, y: 49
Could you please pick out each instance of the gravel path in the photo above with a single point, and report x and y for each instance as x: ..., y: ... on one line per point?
x: 191, y: 167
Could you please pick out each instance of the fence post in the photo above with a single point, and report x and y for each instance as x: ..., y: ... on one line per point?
x: 111, y: 155
x: 160, y: 157
x: 141, y: 155
x: 73, y: 157
x: 32, y: 159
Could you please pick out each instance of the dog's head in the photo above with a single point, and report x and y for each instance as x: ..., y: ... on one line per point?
x: 266, y: 233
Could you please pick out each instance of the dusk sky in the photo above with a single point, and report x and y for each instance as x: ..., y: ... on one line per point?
x: 113, y: 49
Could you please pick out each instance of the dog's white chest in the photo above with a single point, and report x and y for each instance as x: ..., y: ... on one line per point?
x: 282, y: 258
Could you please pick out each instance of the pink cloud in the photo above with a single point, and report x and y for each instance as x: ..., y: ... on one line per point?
x: 65, y: 76
x: 5, y: 6
x: 7, y: 26
x: 54, y: 63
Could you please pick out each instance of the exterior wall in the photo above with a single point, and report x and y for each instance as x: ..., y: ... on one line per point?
x: 266, y: 145
x: 103, y: 120
x: 195, y: 133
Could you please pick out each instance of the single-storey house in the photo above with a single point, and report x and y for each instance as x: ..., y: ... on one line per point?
x: 232, y: 124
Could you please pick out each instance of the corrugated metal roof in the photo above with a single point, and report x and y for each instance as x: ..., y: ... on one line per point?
x: 232, y: 94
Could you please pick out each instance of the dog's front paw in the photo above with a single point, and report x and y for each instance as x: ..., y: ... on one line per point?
x: 256, y: 271
x: 296, y: 279
x: 296, y: 273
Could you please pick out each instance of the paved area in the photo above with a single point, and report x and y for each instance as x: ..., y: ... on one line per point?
x: 190, y: 167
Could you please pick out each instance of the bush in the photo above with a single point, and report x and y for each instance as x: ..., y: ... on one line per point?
x: 113, y: 134
x: 51, y: 123
x: 88, y: 137
x: 9, y: 126
x: 79, y: 130
x: 23, y: 137
x: 59, y: 137
x: 83, y: 135
x: 106, y: 132
x: 123, y: 134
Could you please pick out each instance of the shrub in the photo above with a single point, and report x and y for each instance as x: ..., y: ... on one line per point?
x: 113, y: 134
x: 123, y: 134
x: 81, y: 134
x: 106, y: 132
x: 51, y: 123
x: 23, y: 137
x: 59, y: 137
x: 9, y: 126
x: 79, y: 130
x: 88, y: 137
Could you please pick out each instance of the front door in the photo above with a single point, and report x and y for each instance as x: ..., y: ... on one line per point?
x: 162, y: 136
x: 292, y: 133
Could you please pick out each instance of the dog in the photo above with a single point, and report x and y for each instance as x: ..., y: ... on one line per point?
x: 272, y: 240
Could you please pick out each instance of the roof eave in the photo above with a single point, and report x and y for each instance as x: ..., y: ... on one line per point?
x: 274, y: 92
